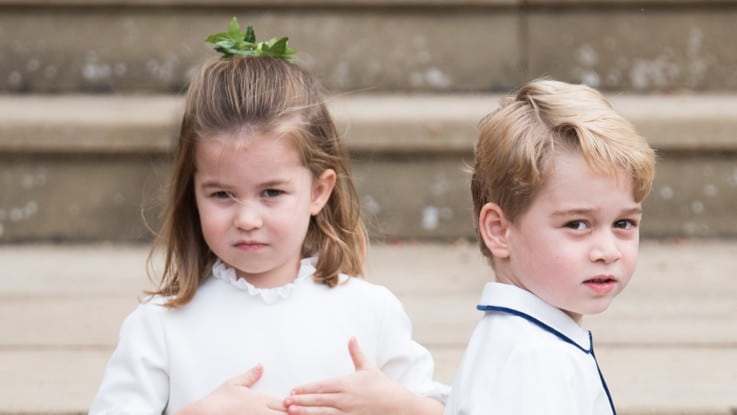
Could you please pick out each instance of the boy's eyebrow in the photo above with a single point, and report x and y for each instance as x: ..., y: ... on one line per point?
x: 634, y: 211
x: 637, y: 210
x: 572, y: 212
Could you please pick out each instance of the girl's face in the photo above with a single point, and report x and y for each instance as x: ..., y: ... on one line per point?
x: 576, y: 246
x: 255, y: 200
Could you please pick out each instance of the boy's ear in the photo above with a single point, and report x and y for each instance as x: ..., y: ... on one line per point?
x: 322, y: 188
x: 494, y: 229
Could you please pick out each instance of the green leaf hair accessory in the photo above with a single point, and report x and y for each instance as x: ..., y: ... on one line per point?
x: 234, y: 42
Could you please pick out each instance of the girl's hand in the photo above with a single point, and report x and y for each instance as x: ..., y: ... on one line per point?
x: 236, y: 396
x: 366, y: 392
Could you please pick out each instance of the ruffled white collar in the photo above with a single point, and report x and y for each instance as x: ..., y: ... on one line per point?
x: 228, y: 275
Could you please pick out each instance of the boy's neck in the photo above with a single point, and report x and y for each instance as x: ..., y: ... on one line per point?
x: 502, y: 278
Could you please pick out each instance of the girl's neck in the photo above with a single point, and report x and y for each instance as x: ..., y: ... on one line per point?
x: 273, y: 278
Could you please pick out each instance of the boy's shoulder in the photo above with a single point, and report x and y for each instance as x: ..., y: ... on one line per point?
x: 516, y: 315
x: 523, y: 336
x: 512, y: 346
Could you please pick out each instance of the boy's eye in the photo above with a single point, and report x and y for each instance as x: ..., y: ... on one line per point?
x: 625, y: 224
x: 577, y: 225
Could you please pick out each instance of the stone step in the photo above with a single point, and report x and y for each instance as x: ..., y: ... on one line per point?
x: 63, y: 46
x: 88, y: 167
x: 666, y: 346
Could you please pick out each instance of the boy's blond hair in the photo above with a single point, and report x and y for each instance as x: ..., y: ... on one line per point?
x: 518, y: 141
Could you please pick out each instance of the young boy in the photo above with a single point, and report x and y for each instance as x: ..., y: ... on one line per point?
x: 557, y: 187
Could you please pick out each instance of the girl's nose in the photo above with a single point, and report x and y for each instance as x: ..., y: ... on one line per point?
x: 248, y: 217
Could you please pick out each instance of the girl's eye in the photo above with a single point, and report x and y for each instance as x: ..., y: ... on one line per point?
x: 222, y: 195
x: 625, y: 224
x: 272, y: 193
x: 577, y: 225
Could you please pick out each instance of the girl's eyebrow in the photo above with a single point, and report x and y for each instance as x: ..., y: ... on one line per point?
x: 269, y: 183
x: 274, y: 183
x: 213, y: 184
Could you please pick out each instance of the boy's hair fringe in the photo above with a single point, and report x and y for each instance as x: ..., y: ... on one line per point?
x: 269, y: 96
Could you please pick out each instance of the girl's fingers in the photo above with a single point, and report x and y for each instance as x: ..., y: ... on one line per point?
x: 317, y: 400
x: 277, y: 406
x: 249, y: 378
x: 310, y: 405
x: 325, y: 386
x: 360, y: 361
x: 312, y: 410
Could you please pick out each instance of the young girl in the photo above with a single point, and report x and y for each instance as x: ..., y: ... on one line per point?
x: 256, y: 306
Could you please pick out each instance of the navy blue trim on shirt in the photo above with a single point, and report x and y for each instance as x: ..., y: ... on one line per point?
x: 558, y: 334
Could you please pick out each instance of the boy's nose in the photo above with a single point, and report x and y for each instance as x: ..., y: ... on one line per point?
x: 605, y: 248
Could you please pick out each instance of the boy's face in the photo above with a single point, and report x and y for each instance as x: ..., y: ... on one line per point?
x: 576, y: 246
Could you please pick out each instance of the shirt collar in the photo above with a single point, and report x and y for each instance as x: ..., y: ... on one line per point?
x: 527, y: 305
x: 225, y: 273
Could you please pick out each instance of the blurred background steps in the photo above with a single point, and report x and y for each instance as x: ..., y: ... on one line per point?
x: 90, y: 92
x: 102, y: 46
x: 89, y: 168
x: 85, y: 168
x: 667, y: 345
x: 90, y: 100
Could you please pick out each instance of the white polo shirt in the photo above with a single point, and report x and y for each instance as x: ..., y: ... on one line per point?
x: 527, y: 357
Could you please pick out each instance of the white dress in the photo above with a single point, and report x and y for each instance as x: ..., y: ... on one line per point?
x: 168, y: 358
x: 527, y: 357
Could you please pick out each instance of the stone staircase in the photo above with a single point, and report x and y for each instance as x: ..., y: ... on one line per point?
x: 90, y: 99
x: 91, y: 91
x: 667, y: 346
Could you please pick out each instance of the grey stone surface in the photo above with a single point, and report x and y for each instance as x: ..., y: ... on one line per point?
x: 415, y: 197
x: 300, y: 3
x: 107, y: 164
x: 111, y: 49
x: 80, y: 198
x: 377, y: 45
x: 693, y: 196
x: 89, y: 124
x: 666, y: 346
x: 636, y: 47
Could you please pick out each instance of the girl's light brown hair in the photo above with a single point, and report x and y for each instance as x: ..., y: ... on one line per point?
x: 269, y: 96
x: 518, y: 141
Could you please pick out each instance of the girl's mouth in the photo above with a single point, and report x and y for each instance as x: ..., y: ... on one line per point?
x: 249, y: 246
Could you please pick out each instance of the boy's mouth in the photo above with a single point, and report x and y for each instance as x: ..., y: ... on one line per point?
x: 601, y: 284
